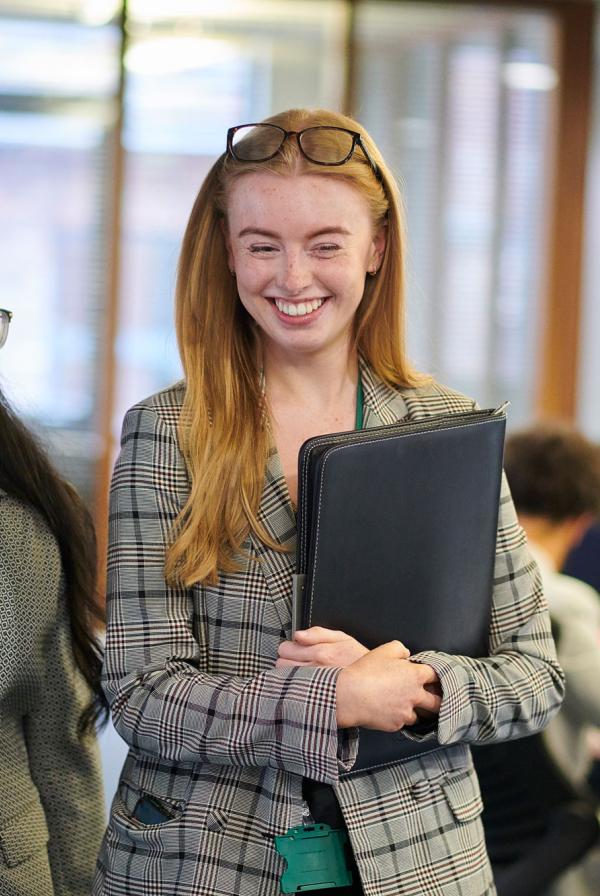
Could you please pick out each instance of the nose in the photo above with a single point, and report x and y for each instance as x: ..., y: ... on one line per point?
x: 293, y: 275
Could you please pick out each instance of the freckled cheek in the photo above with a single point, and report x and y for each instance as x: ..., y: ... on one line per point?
x: 254, y: 273
x: 252, y: 282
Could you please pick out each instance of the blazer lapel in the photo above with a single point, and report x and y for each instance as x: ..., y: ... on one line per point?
x: 382, y: 404
x: 277, y: 517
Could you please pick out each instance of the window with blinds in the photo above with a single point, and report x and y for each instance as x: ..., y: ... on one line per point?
x: 193, y: 70
x: 460, y: 99
x: 58, y: 78
x: 461, y: 102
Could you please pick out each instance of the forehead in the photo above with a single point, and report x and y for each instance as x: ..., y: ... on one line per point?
x: 267, y: 199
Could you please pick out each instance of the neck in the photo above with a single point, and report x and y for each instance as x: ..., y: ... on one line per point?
x: 556, y: 539
x: 319, y: 380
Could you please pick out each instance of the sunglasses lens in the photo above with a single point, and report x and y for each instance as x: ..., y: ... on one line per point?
x: 329, y: 146
x: 257, y: 143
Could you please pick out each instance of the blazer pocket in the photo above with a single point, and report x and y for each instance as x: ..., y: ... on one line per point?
x: 23, y: 836
x: 126, y: 800
x: 463, y: 796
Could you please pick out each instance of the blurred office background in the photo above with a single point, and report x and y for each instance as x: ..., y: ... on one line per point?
x: 111, y: 113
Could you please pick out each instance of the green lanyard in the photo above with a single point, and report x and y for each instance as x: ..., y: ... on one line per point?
x: 359, y: 404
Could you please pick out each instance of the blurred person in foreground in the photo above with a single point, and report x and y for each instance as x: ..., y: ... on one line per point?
x: 289, y: 321
x: 554, y: 476
x: 51, y: 803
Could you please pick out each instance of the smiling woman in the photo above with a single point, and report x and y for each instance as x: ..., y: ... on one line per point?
x: 289, y: 322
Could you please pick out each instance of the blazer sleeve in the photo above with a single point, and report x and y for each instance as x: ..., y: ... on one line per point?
x: 518, y: 688
x: 162, y: 698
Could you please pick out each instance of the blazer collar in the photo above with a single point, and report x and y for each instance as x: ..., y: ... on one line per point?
x: 277, y: 517
x: 382, y: 403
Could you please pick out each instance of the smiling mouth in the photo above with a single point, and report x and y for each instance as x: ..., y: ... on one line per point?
x: 298, y: 309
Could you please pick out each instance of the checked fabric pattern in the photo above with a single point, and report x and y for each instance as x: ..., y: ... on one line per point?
x: 222, y: 739
x: 51, y: 801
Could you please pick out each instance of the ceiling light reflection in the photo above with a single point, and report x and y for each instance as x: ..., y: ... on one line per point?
x: 530, y: 76
x: 169, y: 55
x: 99, y: 12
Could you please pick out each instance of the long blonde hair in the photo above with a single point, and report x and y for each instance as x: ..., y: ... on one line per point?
x: 223, y: 431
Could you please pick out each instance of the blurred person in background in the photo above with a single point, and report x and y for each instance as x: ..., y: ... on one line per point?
x: 51, y: 803
x: 554, y: 475
x: 539, y: 816
x: 289, y: 321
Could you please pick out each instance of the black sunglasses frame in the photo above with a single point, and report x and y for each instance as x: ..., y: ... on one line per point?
x: 356, y: 141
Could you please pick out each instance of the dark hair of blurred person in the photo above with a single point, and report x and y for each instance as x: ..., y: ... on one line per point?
x: 554, y: 473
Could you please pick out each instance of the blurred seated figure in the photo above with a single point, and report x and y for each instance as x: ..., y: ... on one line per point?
x: 536, y: 825
x: 537, y: 821
x: 554, y: 476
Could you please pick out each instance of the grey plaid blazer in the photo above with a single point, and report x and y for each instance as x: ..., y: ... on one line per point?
x: 222, y: 738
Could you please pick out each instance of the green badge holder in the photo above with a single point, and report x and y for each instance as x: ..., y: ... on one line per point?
x: 315, y: 859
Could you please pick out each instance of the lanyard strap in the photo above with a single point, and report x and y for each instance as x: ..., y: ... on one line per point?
x: 359, y: 404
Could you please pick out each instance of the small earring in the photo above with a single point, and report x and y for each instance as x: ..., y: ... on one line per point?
x: 232, y: 272
x: 372, y: 271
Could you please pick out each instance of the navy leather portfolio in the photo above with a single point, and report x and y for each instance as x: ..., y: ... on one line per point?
x: 396, y: 540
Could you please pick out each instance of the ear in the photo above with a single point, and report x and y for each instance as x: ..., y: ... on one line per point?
x: 227, y: 239
x: 378, y: 248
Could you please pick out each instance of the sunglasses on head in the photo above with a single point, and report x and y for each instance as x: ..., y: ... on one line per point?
x: 321, y: 144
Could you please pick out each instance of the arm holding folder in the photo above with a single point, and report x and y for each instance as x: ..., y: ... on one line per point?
x: 462, y: 630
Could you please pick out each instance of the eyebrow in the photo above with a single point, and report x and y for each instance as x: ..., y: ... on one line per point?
x: 247, y: 231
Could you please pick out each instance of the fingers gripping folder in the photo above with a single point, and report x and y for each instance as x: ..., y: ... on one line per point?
x: 396, y: 540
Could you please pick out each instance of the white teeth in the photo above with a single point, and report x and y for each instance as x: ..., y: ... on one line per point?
x: 299, y: 309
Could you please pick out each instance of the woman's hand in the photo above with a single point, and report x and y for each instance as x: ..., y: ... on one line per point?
x: 377, y: 689
x: 319, y: 646
x: 385, y: 691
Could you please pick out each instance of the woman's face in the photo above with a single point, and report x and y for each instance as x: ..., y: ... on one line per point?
x: 300, y: 247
